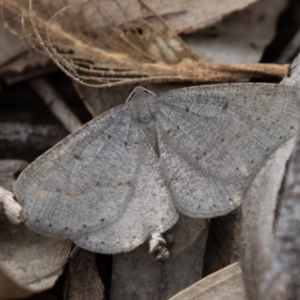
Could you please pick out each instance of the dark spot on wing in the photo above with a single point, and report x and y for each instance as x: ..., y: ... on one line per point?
x: 225, y: 106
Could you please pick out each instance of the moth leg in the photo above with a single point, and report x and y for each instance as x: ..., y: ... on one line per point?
x: 157, y: 246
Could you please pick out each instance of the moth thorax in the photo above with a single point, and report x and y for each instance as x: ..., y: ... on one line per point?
x: 143, y: 109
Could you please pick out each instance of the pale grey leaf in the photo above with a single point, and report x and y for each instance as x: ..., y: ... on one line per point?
x: 259, y: 209
x: 231, y: 41
x: 224, y: 284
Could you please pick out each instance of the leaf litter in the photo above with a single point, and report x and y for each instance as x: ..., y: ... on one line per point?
x: 108, y: 55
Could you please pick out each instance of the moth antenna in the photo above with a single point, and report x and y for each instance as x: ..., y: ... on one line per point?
x: 139, y: 88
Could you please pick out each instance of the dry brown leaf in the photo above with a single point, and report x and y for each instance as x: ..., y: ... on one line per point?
x: 31, y: 260
x: 186, y: 17
x: 83, y: 281
x: 55, y: 104
x: 231, y: 41
x: 228, y: 41
x: 99, y: 53
x: 13, y: 46
x: 17, y: 61
x: 26, y: 60
x: 28, y: 65
x: 9, y: 289
x: 182, y: 16
x: 224, y: 284
x: 27, y: 140
x: 224, y: 242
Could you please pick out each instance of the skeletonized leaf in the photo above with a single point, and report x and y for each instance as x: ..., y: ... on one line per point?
x: 101, y: 52
x: 211, y: 44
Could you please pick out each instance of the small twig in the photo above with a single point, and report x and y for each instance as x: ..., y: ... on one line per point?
x: 56, y: 104
x: 9, y: 207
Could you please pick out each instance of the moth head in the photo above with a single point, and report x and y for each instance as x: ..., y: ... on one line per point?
x: 142, y: 103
